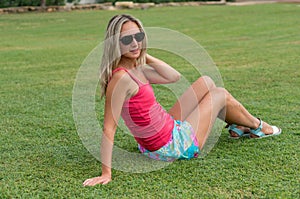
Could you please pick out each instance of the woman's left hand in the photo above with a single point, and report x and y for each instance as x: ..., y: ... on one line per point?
x: 97, y: 180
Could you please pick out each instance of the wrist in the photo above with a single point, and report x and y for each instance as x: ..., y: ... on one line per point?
x: 106, y: 170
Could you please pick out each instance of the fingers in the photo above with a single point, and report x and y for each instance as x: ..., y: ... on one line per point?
x: 96, y: 180
x: 88, y: 182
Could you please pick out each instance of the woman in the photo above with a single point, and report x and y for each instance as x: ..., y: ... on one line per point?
x: 127, y: 72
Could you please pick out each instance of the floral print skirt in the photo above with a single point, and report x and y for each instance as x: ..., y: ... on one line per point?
x: 182, y: 145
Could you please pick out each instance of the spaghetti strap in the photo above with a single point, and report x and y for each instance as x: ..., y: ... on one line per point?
x: 118, y: 69
x: 139, y: 82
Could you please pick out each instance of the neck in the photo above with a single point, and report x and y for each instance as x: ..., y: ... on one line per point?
x: 127, y: 62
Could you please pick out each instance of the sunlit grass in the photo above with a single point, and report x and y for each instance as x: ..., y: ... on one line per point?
x: 256, y: 49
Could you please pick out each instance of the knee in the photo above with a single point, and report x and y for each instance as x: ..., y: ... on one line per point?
x: 226, y: 93
x: 222, y: 93
x: 228, y: 98
x: 208, y: 81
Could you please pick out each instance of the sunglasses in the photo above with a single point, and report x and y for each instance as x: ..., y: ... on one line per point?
x: 126, y: 40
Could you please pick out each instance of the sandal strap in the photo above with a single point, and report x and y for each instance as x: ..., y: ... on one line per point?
x: 258, y: 131
x: 233, y: 127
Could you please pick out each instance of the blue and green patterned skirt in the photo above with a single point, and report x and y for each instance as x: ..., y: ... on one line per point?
x: 182, y: 145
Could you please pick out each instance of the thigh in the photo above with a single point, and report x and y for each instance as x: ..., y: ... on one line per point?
x: 190, y: 99
x: 204, y: 115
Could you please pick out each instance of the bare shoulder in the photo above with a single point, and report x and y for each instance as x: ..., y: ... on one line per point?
x: 120, y: 82
x: 120, y: 77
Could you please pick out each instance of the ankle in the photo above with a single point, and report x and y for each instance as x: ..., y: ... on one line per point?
x: 256, y: 123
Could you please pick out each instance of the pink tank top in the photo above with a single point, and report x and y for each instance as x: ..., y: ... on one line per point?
x: 146, y: 119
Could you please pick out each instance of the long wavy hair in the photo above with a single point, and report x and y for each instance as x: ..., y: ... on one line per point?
x: 112, y: 53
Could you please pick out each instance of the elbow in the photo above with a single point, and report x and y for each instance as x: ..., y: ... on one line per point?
x: 176, y: 77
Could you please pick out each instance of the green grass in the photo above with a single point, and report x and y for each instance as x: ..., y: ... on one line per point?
x: 256, y: 49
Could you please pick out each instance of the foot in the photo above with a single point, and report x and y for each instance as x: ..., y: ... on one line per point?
x: 242, y: 128
x: 266, y: 129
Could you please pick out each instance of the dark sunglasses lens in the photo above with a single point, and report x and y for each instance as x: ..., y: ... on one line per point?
x: 139, y: 36
x: 126, y: 39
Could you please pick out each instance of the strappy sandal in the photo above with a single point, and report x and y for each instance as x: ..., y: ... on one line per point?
x: 259, y: 134
x: 233, y: 128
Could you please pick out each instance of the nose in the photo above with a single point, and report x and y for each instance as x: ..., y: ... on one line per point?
x: 134, y: 42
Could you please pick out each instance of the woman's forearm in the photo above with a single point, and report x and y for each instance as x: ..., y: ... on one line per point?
x: 106, y: 152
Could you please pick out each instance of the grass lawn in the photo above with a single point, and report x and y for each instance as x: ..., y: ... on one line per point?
x: 256, y: 49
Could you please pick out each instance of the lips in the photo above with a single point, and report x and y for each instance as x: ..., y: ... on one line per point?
x: 135, y: 50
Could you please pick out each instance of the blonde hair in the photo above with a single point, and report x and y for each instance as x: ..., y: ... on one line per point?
x: 112, y: 53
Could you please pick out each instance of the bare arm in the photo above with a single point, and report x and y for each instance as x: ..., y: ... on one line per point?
x: 160, y: 72
x: 117, y: 91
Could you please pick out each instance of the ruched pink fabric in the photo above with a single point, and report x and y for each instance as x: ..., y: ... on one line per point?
x: 146, y: 119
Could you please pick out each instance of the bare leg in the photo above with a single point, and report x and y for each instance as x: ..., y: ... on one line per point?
x: 202, y: 108
x: 236, y: 113
x: 205, y: 114
x: 189, y: 101
x: 220, y: 103
x: 191, y: 98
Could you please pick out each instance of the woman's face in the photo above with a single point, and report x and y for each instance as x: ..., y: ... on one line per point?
x: 131, y: 40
